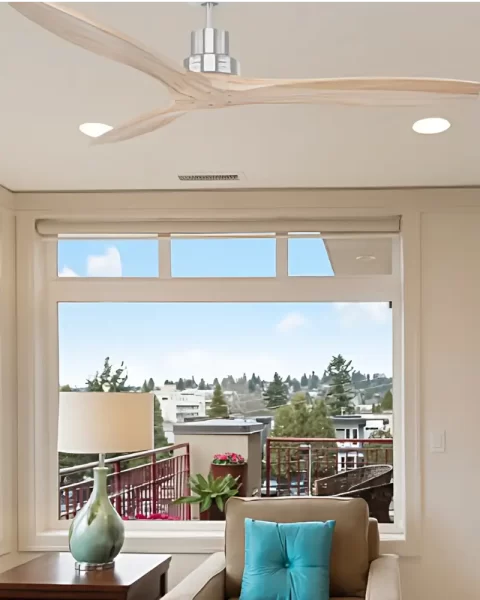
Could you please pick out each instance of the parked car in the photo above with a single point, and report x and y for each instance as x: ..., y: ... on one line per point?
x: 273, y: 488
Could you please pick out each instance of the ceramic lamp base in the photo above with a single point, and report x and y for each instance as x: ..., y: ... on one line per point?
x: 97, y: 533
x: 80, y: 566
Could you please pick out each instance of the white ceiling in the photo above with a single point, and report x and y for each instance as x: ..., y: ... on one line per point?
x: 48, y: 87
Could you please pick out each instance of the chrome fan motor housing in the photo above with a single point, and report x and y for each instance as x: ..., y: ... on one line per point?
x: 209, y: 51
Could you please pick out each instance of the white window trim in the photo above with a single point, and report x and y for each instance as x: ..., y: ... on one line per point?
x: 38, y: 356
x: 7, y: 375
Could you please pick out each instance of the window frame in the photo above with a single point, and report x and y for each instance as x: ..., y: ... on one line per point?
x: 7, y: 376
x: 39, y: 291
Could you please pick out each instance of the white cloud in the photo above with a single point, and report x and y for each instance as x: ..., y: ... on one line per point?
x: 352, y: 313
x: 67, y: 272
x: 291, y: 321
x: 105, y: 265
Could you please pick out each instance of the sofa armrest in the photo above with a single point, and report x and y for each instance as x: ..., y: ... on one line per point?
x: 384, y: 579
x: 206, y: 582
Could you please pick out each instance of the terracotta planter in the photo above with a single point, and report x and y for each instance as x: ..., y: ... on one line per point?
x: 233, y: 470
x: 212, y: 514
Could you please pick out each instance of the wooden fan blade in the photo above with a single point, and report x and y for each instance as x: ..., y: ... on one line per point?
x: 80, y: 30
x: 144, y: 124
x: 353, y: 90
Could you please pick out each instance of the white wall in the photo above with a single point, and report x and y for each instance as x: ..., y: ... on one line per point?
x: 450, y: 361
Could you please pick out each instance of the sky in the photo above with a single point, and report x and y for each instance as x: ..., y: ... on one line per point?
x: 173, y: 340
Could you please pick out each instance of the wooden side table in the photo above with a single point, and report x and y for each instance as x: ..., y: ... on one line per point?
x: 53, y: 577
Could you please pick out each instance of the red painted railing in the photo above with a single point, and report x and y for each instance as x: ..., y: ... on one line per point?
x: 293, y: 464
x: 139, y: 485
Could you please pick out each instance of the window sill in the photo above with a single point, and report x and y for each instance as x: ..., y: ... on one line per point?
x: 144, y: 541
x: 198, y: 541
x: 14, y: 559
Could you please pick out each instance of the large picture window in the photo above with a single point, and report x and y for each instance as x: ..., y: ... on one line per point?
x: 299, y: 331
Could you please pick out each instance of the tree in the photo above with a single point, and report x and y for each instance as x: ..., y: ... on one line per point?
x: 341, y: 391
x: 190, y: 383
x: 296, y: 385
x: 301, y: 420
x: 276, y: 394
x: 65, y: 388
x: 314, y: 381
x: 387, y: 401
x: 304, y: 380
x: 168, y: 382
x: 202, y: 385
x: 159, y: 437
x: 180, y: 385
x: 115, y: 380
x: 218, y: 407
x: 215, y: 383
x: 151, y: 385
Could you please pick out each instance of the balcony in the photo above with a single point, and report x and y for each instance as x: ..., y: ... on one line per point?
x: 144, y: 485
x: 140, y: 485
x: 332, y: 467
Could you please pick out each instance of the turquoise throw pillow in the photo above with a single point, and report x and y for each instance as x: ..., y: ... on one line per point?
x: 287, y: 561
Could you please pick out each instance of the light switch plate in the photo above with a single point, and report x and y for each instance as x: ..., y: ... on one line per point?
x: 438, y: 441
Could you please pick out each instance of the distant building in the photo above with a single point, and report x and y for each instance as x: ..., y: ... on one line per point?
x: 178, y: 405
x: 350, y: 429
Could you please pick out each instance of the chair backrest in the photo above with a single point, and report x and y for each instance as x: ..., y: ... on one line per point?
x: 355, y: 541
x: 353, y: 478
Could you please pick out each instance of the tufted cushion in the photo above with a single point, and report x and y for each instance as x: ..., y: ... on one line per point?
x: 350, y: 548
x: 287, y: 560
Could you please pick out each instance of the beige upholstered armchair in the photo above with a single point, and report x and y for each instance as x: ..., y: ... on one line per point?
x: 357, y: 570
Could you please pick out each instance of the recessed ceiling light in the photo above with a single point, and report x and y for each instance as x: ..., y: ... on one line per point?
x: 94, y: 129
x: 366, y: 258
x: 431, y: 125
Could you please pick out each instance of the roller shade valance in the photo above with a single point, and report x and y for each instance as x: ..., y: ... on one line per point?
x: 55, y: 228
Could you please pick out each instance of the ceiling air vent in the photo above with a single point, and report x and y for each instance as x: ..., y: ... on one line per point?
x: 211, y: 177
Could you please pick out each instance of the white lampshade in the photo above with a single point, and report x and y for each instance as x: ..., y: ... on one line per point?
x: 101, y: 422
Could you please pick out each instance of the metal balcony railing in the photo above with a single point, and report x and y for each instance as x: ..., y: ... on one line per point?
x: 140, y: 485
x: 292, y: 465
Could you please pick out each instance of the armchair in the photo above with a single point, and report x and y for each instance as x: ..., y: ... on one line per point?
x: 357, y: 570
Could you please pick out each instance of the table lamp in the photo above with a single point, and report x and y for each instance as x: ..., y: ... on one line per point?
x: 101, y: 422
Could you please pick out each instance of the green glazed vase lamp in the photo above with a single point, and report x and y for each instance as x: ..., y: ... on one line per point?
x: 101, y: 422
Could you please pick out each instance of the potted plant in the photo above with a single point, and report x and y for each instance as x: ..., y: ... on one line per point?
x: 210, y: 494
x: 232, y: 464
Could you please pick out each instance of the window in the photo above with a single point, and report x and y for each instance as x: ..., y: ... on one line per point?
x: 224, y: 342
x: 223, y: 257
x: 264, y: 321
x: 108, y: 258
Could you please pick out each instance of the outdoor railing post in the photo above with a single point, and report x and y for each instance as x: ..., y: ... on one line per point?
x: 153, y: 478
x: 117, y: 487
x: 187, y: 510
x: 267, y: 474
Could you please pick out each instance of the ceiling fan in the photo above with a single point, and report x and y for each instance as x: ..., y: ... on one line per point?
x: 210, y: 79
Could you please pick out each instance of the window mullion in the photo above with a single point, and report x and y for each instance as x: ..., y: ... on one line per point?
x: 282, y: 257
x: 165, y: 258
